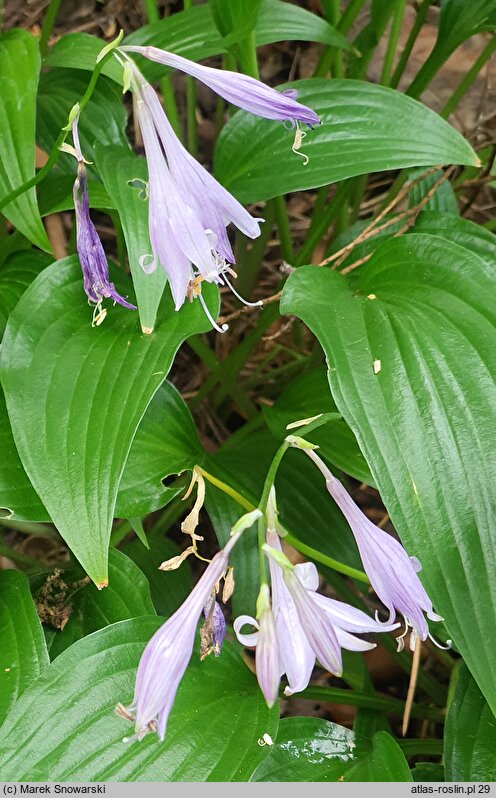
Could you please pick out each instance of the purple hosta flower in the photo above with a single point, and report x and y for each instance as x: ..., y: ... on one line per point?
x: 267, y: 660
x: 392, y: 573
x: 94, y: 264
x: 238, y: 89
x: 168, y: 653
x: 188, y: 209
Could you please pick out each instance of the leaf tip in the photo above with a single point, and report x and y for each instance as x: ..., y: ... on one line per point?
x: 102, y: 584
x: 146, y: 330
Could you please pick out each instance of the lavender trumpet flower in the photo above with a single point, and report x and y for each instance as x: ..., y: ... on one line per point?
x: 188, y: 209
x: 392, y: 573
x: 307, y: 625
x: 96, y: 280
x: 241, y: 90
x: 168, y: 653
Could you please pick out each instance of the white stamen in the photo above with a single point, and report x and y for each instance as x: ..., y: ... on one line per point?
x: 258, y: 304
x: 214, y: 324
x: 446, y: 647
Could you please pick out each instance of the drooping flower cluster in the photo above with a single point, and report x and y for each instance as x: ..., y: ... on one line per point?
x: 304, y: 626
x: 189, y: 210
x: 96, y: 280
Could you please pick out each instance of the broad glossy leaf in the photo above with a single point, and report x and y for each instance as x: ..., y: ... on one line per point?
x: 18, y: 271
x: 118, y: 167
x: 93, y: 386
x: 279, y: 21
x: 424, y: 421
x: 305, y: 397
x: 168, y: 588
x: 80, y: 51
x: 234, y: 16
x: 444, y: 198
x: 104, y: 119
x: 474, y: 237
x: 23, y: 652
x: 192, y: 33
x: 470, y: 734
x: 19, y: 67
x: 313, y: 749
x: 127, y: 596
x: 308, y: 749
x: 64, y: 728
x: 166, y: 443
x: 385, y: 762
x: 352, y: 140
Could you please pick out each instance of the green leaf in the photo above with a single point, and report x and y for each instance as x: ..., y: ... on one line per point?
x: 18, y: 271
x: 93, y: 385
x: 470, y: 734
x: 19, y: 67
x: 24, y: 655
x: 90, y: 609
x: 64, y: 728
x: 424, y: 420
x: 166, y: 443
x: 279, y: 21
x: 18, y: 499
x: 305, y: 397
x: 238, y: 16
x: 352, y: 140
x: 80, y: 51
x: 192, y: 34
x: 386, y: 762
x: 444, y: 198
x: 313, y: 749
x: 118, y: 167
x: 308, y: 749
x: 168, y: 588
x: 104, y: 119
x: 55, y: 194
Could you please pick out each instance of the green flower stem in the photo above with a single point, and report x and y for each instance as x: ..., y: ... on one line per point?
x: 347, y: 570
x: 427, y: 72
x: 339, y: 695
x: 469, y: 78
x: 191, y: 127
x: 350, y: 14
x: 165, y: 83
x: 412, y: 38
x: 55, y: 151
x: 284, y: 230
x: 250, y: 61
x: 332, y: 57
x: 394, y: 34
x: 244, y: 503
x: 48, y: 23
x: 264, y: 499
x: 293, y: 541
